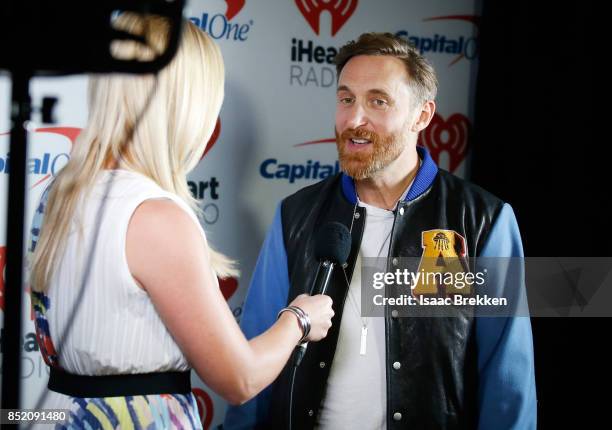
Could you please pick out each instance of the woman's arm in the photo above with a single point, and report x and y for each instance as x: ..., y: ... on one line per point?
x: 169, y: 259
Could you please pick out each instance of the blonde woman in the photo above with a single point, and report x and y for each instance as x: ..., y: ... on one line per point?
x: 120, y: 217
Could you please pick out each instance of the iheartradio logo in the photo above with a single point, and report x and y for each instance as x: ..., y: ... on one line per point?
x: 205, y: 407
x: 450, y: 136
x: 340, y: 10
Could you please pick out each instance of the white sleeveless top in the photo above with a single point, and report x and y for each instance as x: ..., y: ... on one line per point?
x: 116, y: 328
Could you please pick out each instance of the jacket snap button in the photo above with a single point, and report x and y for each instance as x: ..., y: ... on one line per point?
x: 395, y: 261
x: 357, y: 215
x: 394, y: 313
x: 397, y: 416
x: 401, y: 211
x: 322, y: 364
x: 397, y: 365
x: 310, y: 413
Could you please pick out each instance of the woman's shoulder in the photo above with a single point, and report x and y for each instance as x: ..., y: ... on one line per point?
x: 162, y: 237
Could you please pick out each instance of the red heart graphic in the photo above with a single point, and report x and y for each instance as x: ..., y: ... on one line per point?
x: 340, y: 12
x: 451, y: 136
x: 228, y: 287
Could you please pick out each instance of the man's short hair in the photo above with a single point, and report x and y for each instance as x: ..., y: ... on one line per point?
x: 421, y: 74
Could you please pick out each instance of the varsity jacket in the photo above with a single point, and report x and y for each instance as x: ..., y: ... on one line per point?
x: 460, y: 372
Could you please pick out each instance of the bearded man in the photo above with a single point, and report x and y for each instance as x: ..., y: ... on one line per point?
x: 389, y: 372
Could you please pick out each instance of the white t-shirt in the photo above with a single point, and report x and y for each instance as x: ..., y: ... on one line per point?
x: 356, y: 396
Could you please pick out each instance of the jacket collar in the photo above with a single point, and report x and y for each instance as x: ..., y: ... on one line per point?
x: 425, y: 176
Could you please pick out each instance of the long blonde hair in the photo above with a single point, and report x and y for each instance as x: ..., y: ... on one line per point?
x: 155, y: 125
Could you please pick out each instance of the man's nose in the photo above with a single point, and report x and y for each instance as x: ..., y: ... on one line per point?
x: 357, y: 117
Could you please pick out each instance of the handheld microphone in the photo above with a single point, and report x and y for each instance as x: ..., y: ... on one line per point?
x: 332, y: 247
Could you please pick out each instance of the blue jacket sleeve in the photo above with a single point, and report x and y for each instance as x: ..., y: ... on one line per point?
x: 267, y: 294
x: 506, y: 391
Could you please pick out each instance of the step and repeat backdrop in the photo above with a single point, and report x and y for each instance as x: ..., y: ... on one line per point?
x: 275, y: 132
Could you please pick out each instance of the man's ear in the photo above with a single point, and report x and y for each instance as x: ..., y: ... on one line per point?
x: 424, y: 118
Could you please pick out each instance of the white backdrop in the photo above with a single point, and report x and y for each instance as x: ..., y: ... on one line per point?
x: 280, y: 101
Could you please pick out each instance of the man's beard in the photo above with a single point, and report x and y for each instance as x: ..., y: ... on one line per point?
x: 366, y: 163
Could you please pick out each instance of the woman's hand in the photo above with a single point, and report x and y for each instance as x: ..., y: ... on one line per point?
x: 319, y: 310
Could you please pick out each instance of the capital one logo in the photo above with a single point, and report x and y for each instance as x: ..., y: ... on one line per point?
x: 470, y: 48
x: 222, y: 26
x: 462, y: 47
x: 50, y: 162
x: 340, y: 10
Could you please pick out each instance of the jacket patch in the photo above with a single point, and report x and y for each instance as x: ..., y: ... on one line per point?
x: 444, y: 256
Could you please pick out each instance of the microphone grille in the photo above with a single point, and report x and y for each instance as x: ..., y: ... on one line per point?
x: 333, y: 243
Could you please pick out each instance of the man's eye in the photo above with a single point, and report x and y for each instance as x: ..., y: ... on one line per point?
x: 346, y: 100
x: 379, y: 102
